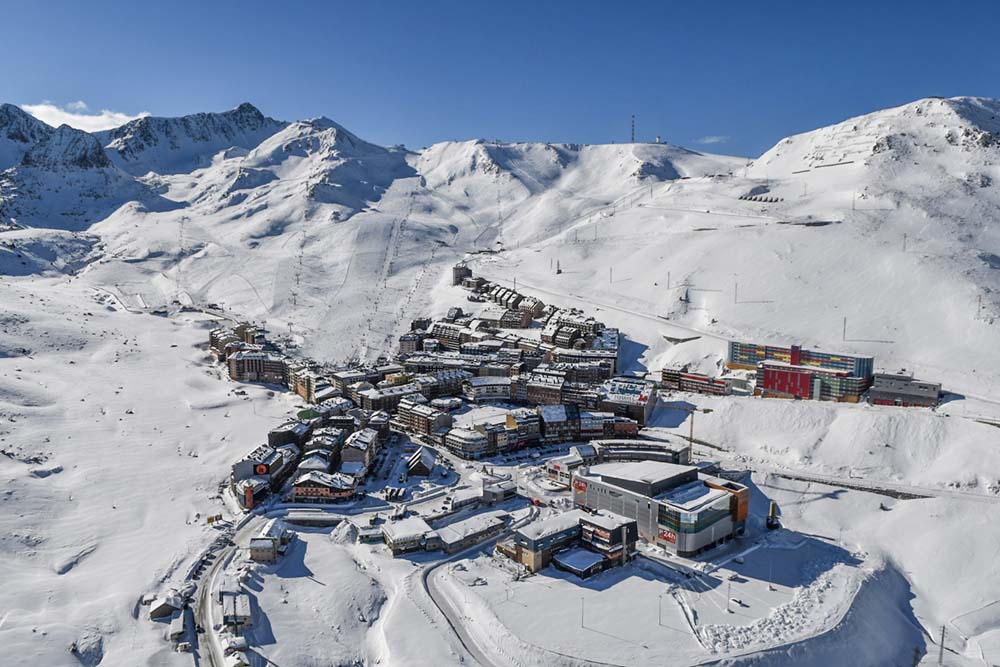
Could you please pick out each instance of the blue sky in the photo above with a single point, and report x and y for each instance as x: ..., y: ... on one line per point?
x: 745, y: 74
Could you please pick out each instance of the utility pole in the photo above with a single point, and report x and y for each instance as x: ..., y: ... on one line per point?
x: 691, y: 437
x: 941, y: 648
x: 633, y: 128
x: 515, y: 283
x: 611, y: 272
x: 979, y: 308
x: 729, y: 598
x: 844, y: 335
x: 581, y: 611
x: 668, y: 280
x: 736, y: 292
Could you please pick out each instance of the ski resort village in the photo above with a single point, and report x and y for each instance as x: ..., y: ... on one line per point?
x: 275, y: 395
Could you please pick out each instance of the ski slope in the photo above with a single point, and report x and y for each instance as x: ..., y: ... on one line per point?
x: 116, y: 441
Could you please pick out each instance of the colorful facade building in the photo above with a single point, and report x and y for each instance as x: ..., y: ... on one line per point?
x: 679, y: 379
x: 750, y: 355
x: 780, y: 380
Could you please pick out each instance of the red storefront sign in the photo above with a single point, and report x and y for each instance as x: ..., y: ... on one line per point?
x: 580, y: 486
x: 248, y: 497
x: 668, y: 535
x: 261, y: 469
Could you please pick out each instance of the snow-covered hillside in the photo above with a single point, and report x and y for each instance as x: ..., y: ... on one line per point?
x: 879, y: 235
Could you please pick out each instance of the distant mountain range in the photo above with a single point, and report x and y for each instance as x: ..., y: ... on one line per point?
x: 242, y: 209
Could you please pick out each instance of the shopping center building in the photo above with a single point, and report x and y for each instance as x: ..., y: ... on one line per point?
x: 675, y: 506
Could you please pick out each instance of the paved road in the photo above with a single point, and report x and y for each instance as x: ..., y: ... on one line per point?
x: 455, y: 618
x: 204, y: 606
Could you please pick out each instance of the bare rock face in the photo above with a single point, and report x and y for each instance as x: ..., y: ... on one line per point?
x: 19, y: 131
x: 67, y: 148
x: 174, y: 145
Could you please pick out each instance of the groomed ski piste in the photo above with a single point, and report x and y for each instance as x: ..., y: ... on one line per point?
x: 118, y: 429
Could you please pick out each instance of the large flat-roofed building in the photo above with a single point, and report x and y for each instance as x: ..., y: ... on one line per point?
x: 466, y: 443
x: 258, y: 366
x: 777, y: 379
x: 415, y: 416
x: 673, y: 505
x: 629, y: 397
x: 571, y: 356
x: 487, y: 388
x: 749, y: 355
x: 387, y: 398
x: 679, y: 379
x: 560, y: 469
x: 902, y: 390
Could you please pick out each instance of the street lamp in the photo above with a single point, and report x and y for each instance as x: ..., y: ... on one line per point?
x: 691, y: 411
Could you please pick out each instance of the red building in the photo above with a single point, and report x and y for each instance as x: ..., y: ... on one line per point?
x: 791, y: 381
x: 780, y: 380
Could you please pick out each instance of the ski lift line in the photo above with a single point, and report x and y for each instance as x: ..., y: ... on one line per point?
x: 590, y: 302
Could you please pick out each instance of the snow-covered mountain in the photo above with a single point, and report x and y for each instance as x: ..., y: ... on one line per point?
x: 878, y: 235
x: 225, y: 191
x: 172, y: 145
x: 19, y: 131
x: 65, y: 181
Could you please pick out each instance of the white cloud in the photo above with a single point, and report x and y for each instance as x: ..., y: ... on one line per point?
x: 75, y: 114
x: 713, y: 139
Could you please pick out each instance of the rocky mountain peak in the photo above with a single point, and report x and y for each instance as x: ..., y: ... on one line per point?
x: 66, y: 147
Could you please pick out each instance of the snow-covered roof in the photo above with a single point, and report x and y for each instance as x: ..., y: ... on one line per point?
x: 353, y: 468
x: 315, y: 461
x: 608, y: 520
x: 273, y: 528
x: 489, y: 380
x: 648, y: 472
x: 326, y: 393
x: 501, y: 485
x: 577, y: 559
x: 423, y: 456
x: 553, y: 413
x: 692, y: 496
x: 404, y: 530
x: 465, y: 494
x: 552, y: 525
x: 460, y: 530
x: 362, y: 439
x: 334, y: 480
x: 261, y: 543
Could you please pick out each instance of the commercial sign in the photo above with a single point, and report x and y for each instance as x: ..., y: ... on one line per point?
x: 261, y: 469
x: 248, y: 497
x: 668, y: 535
x: 580, y: 486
